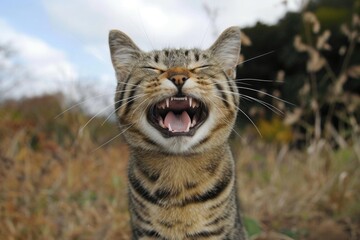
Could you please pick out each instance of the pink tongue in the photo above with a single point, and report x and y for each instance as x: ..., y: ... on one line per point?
x: 177, y: 123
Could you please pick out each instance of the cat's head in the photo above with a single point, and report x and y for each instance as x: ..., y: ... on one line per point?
x: 176, y: 100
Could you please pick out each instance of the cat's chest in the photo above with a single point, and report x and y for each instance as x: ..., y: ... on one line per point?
x: 179, y: 221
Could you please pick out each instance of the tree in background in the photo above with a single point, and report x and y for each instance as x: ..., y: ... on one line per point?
x: 316, y: 54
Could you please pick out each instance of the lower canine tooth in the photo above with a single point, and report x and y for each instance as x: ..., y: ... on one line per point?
x: 170, y: 127
x: 193, y: 123
x: 161, y: 123
x: 161, y: 105
x: 188, y: 127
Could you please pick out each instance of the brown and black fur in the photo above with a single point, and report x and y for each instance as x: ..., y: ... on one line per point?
x: 182, y: 186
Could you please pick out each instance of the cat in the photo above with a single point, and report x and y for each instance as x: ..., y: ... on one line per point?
x: 176, y: 109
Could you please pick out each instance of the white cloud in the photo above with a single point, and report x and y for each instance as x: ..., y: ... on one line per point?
x: 46, y: 67
x: 248, y: 12
x: 151, y: 24
x: 158, y: 23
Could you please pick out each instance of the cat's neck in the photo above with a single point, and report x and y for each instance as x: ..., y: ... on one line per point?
x: 181, y: 169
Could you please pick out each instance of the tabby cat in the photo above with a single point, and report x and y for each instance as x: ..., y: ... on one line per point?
x: 176, y: 109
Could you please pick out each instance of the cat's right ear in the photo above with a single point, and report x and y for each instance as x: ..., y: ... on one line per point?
x: 124, y: 53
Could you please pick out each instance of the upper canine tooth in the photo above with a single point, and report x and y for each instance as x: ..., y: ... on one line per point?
x: 194, y: 104
x: 167, y: 102
x: 190, y: 101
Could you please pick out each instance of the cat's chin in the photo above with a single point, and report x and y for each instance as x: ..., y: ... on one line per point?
x: 177, y: 116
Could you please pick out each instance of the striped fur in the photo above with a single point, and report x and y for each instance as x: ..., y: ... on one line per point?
x: 181, y: 185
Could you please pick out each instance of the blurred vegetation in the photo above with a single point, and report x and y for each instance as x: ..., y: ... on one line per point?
x: 63, y: 172
x: 313, y: 62
x: 57, y: 180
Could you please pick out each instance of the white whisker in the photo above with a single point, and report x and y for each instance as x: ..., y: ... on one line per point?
x: 224, y: 119
x: 77, y: 104
x: 124, y: 91
x: 252, y: 122
x: 103, y: 110
x: 113, y: 138
x: 125, y: 99
x: 265, y: 104
x: 213, y: 84
x: 88, y: 99
x: 130, y: 84
x: 256, y: 80
x: 139, y: 106
x: 93, y: 117
x: 257, y: 57
x: 267, y: 94
x: 143, y: 28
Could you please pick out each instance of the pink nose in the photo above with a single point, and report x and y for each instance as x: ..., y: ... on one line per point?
x: 178, y: 79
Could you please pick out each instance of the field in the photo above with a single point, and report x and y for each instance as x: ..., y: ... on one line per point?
x: 58, y: 181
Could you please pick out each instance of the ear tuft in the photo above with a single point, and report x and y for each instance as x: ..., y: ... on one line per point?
x: 124, y: 53
x: 226, y: 49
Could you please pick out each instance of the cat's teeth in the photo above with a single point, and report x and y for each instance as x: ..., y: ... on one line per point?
x: 166, y: 103
x: 193, y: 122
x: 161, y: 105
x: 188, y: 127
x: 178, y: 98
x: 161, y: 122
x: 170, y: 129
x: 194, y: 104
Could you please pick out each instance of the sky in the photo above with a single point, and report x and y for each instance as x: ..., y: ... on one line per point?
x: 61, y: 45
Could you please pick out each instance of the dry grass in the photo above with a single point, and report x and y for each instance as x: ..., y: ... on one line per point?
x: 311, y: 194
x: 53, y: 185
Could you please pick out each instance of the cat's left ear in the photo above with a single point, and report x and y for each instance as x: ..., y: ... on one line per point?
x: 124, y: 53
x: 226, y: 50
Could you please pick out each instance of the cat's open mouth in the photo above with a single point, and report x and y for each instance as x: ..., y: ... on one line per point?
x: 178, y: 116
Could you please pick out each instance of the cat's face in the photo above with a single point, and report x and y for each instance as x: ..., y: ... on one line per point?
x: 176, y: 100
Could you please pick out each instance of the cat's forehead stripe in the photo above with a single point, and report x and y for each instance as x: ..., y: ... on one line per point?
x: 156, y: 58
x: 197, y: 56
x: 181, y: 55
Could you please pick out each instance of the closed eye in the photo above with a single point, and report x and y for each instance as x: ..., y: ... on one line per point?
x: 200, y: 67
x: 157, y: 70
